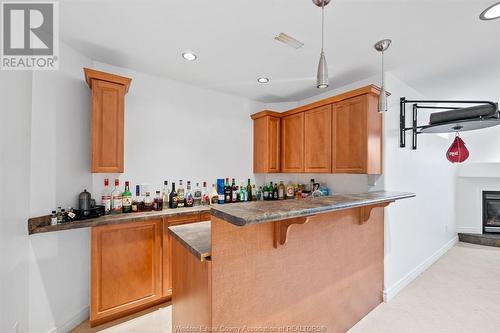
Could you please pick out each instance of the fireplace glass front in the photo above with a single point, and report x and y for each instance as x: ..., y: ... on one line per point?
x: 491, y: 211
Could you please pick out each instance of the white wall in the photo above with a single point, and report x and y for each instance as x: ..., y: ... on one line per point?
x: 178, y: 131
x: 15, y: 122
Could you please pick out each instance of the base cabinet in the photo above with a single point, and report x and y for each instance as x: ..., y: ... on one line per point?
x: 126, y: 268
x: 131, y: 266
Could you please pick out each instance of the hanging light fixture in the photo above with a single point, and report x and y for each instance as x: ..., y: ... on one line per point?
x: 322, y: 76
x: 382, y: 46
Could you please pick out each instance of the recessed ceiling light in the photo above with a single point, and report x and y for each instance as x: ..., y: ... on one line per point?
x: 491, y: 13
x: 263, y: 80
x: 189, y: 56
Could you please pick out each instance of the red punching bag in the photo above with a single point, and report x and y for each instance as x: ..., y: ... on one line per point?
x: 457, y: 153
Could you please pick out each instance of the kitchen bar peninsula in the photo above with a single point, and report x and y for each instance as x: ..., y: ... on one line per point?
x: 315, y: 264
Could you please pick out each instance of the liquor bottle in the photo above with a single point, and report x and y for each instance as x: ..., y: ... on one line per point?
x: 234, y: 192
x: 127, y: 199
x: 205, y: 197
x: 189, y: 198
x: 158, y: 201
x: 281, y: 191
x: 227, y: 192
x: 64, y: 215
x: 166, y: 192
x: 265, y: 193
x: 254, y: 193
x: 275, y: 192
x: 53, y: 218
x: 116, y: 199
x: 139, y: 199
x: 290, y: 193
x: 243, y: 193
x: 172, y: 198
x: 239, y: 194
x: 180, y: 195
x: 311, y: 186
x: 106, y: 197
x: 148, y: 203
x: 214, y: 197
x: 197, y: 195
x: 59, y: 215
x: 249, y: 191
x: 260, y: 194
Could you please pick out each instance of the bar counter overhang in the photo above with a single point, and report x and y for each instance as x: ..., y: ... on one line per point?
x: 300, y: 265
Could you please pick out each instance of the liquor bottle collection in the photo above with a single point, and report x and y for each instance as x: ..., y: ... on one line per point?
x: 177, y: 196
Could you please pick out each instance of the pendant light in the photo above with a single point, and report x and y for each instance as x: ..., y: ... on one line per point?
x: 322, y: 76
x: 382, y: 46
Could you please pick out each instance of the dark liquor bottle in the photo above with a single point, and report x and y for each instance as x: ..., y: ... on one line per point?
x: 275, y: 192
x: 265, y: 192
x: 172, y: 198
x: 249, y: 191
x: 234, y: 192
x: 189, y: 195
x: 227, y: 192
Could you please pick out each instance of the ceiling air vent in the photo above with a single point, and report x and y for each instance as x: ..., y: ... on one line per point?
x: 288, y: 40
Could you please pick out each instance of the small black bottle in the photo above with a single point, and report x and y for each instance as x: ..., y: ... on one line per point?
x: 172, y: 198
x: 275, y: 192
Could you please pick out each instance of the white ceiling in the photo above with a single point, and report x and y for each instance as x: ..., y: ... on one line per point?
x: 434, y: 42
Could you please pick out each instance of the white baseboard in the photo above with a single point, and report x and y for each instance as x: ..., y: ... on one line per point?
x: 72, y: 322
x: 469, y: 230
x: 393, y: 290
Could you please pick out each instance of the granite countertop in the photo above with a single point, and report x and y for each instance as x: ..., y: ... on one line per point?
x: 254, y: 212
x: 196, y: 237
x: 42, y: 224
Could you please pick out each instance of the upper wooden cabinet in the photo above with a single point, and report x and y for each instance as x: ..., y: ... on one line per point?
x: 339, y: 134
x: 292, y: 143
x: 318, y: 140
x: 266, y: 142
x: 108, y: 99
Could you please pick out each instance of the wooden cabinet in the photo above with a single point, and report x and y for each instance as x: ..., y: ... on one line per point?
x: 131, y: 266
x: 339, y: 134
x: 292, y: 143
x: 108, y: 99
x: 318, y: 140
x: 126, y: 268
x: 266, y: 142
x: 357, y: 136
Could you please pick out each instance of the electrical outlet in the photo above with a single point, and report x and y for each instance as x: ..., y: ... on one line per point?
x: 15, y: 327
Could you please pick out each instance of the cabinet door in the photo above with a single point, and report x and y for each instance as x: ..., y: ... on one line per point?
x: 292, y: 143
x: 107, y: 126
x: 266, y: 143
x: 166, y: 260
x: 125, y: 269
x: 349, y: 136
x: 318, y: 140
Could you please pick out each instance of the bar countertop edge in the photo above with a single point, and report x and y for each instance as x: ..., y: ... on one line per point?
x: 241, y: 214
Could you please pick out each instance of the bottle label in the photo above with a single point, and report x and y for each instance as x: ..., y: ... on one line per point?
x: 127, y: 201
x: 106, y: 202
x: 117, y: 203
x: 289, y: 192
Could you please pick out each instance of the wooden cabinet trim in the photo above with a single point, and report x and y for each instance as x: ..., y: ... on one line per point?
x: 92, y: 74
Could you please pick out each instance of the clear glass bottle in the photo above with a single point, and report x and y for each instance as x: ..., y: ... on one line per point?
x: 189, y: 198
x: 53, y: 218
x: 197, y: 196
x: 116, y: 199
x: 254, y: 193
x: 180, y: 195
x: 205, y: 197
x: 281, y: 191
x: 148, y: 203
x: 106, y: 197
x: 260, y: 194
x: 59, y: 215
x: 290, y: 192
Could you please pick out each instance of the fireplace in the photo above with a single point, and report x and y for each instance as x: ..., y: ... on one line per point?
x: 491, y: 211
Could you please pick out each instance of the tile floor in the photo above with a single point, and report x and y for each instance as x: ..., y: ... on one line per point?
x: 459, y: 293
